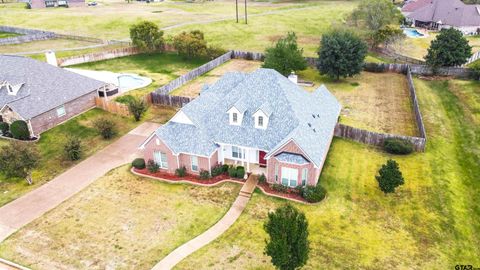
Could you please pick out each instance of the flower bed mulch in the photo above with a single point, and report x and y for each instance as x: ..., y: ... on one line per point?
x: 291, y: 194
x: 188, y: 177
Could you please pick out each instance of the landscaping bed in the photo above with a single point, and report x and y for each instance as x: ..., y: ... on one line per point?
x: 289, y: 194
x: 161, y: 175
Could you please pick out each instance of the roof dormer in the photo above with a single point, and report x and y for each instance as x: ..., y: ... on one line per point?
x: 12, y: 89
x: 262, y: 116
x: 237, y: 111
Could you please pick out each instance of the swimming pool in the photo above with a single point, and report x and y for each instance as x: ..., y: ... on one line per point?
x: 128, y: 82
x: 412, y: 32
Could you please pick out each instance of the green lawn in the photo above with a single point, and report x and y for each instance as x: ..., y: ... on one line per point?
x: 7, y: 34
x: 120, y: 221
x: 51, y: 144
x: 309, y: 19
x: 160, y: 67
x: 429, y: 223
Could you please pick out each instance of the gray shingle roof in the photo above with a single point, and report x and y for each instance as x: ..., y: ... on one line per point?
x: 292, y: 158
x: 45, y: 86
x: 290, y: 108
x: 184, y: 138
x: 448, y: 12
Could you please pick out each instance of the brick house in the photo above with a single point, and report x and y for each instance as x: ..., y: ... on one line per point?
x: 261, y: 120
x: 41, y: 94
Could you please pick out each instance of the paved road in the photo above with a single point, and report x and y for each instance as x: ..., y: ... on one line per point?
x: 215, y: 231
x: 32, y: 205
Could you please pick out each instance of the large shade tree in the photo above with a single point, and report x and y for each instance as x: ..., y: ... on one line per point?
x: 341, y: 54
x: 147, y: 36
x: 285, y: 56
x: 376, y: 14
x: 450, y: 48
x: 288, y: 245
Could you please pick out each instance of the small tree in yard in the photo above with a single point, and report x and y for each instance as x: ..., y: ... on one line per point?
x: 389, y: 177
x: 285, y: 56
x: 341, y: 54
x: 18, y: 160
x: 105, y: 127
x: 288, y: 245
x: 147, y: 36
x: 137, y: 107
x: 450, y: 48
x: 387, y: 35
x: 190, y: 44
x: 73, y: 148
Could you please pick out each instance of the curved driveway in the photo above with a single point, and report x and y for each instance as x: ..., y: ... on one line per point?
x: 32, y: 205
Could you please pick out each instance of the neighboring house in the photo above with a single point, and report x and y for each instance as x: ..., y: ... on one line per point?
x: 56, y: 3
x: 41, y: 94
x: 439, y: 14
x: 261, y: 120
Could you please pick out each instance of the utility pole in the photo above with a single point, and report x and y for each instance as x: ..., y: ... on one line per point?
x: 236, y: 7
x: 246, y: 21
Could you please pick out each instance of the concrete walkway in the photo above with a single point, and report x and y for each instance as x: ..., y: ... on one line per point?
x: 34, y: 204
x: 215, y: 231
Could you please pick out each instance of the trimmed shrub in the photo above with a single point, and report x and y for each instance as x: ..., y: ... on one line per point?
x: 4, y: 127
x: 314, y: 193
x: 73, y: 148
x: 398, y: 146
x: 181, y: 172
x: 204, y: 174
x: 240, y: 172
x: 217, y: 170
x: 225, y: 168
x: 390, y: 177
x: 19, y: 130
x: 105, y: 126
x: 279, y: 188
x: 125, y: 99
x: 138, y: 163
x: 262, y: 179
x: 232, y: 172
x: 152, y: 166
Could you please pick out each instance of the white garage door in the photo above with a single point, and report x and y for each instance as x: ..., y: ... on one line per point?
x: 289, y: 177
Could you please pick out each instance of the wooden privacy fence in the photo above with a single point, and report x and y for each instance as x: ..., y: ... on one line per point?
x: 162, y: 99
x: 112, y: 106
x: 194, y: 74
x: 375, y: 138
x: 416, y: 107
x: 92, y: 57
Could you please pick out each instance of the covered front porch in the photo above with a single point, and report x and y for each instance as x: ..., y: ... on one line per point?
x: 253, y: 160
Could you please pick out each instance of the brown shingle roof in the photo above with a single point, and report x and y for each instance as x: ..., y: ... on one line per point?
x: 448, y: 12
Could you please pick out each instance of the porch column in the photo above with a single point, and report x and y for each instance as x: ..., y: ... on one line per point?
x: 247, y: 159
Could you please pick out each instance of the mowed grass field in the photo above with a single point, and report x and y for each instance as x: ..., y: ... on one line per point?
x: 431, y: 222
x: 121, y: 221
x: 267, y: 20
x: 373, y: 101
x: 51, y: 143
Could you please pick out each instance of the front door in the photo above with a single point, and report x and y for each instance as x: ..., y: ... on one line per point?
x: 261, y: 159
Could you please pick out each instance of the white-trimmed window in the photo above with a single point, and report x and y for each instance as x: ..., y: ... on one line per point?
x: 260, y: 121
x: 236, y: 152
x: 304, y: 176
x: 61, y: 111
x: 161, y: 159
x: 194, y: 161
x: 234, y: 117
x: 276, y: 173
x: 289, y: 177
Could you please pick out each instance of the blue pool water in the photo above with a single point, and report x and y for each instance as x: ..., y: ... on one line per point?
x: 127, y: 82
x: 411, y: 32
